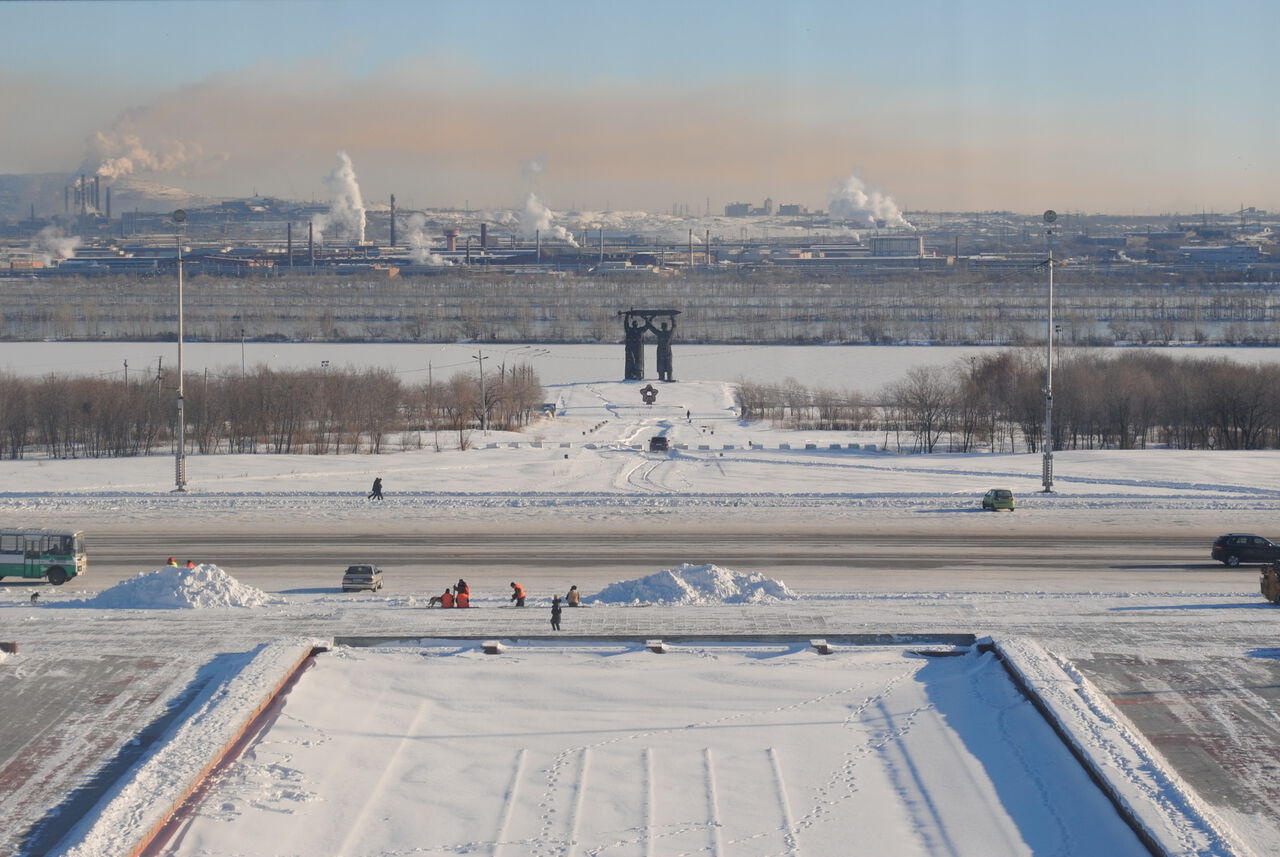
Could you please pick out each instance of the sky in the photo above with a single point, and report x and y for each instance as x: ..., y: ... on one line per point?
x: 1136, y: 107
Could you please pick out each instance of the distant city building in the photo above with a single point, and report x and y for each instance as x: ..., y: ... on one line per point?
x: 897, y: 245
x: 1231, y: 254
x: 792, y: 210
x: 737, y: 209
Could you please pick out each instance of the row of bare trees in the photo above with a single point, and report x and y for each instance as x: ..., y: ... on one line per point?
x: 1120, y: 400
x: 954, y: 305
x: 264, y: 410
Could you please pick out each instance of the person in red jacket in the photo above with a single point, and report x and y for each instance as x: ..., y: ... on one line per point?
x: 517, y: 594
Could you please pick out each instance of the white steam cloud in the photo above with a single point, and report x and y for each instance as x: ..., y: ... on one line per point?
x: 346, y: 210
x: 122, y: 153
x: 533, y: 167
x: 420, y: 244
x: 52, y: 243
x: 537, y: 219
x: 868, y: 209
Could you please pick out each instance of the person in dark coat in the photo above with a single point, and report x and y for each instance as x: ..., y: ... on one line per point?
x: 376, y: 493
x: 555, y: 613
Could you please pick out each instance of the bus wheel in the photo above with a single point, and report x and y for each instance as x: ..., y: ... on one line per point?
x: 57, y: 576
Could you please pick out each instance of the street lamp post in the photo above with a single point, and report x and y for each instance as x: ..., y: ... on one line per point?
x: 484, y: 403
x: 1047, y: 470
x: 180, y: 460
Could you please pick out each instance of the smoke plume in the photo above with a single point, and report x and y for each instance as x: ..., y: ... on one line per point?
x: 51, y: 243
x: 346, y: 210
x: 118, y: 152
x: 852, y: 201
x: 537, y: 219
x: 420, y: 244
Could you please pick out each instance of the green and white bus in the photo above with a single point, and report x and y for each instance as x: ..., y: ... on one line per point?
x: 56, y: 554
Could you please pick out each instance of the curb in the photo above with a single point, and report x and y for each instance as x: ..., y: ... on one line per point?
x: 134, y: 813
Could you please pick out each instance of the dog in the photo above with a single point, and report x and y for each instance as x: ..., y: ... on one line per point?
x: 35, y: 596
x: 435, y: 601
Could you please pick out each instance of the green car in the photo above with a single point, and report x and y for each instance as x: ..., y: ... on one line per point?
x: 997, y: 499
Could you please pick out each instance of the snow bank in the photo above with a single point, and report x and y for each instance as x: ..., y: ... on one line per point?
x: 173, y: 588
x: 138, y: 804
x: 1133, y: 772
x: 695, y: 584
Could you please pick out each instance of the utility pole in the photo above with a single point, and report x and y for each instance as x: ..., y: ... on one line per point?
x: 180, y: 461
x: 1047, y: 474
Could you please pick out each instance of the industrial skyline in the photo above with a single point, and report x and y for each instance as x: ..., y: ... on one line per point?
x: 1136, y: 108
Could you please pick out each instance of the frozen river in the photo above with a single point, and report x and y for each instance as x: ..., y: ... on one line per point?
x: 837, y: 367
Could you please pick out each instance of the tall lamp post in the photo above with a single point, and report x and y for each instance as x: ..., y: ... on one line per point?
x: 1050, y: 217
x: 484, y: 403
x: 180, y: 460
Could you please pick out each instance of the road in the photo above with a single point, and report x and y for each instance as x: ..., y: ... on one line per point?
x: 805, y: 561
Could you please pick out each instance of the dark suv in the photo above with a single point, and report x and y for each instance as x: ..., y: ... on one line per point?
x: 1235, y: 548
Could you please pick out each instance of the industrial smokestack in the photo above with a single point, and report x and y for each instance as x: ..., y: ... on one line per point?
x: 484, y: 236
x: 66, y: 199
x: 289, y: 241
x: 311, y: 244
x: 393, y: 220
x: 108, y: 202
x: 84, y: 189
x: 537, y: 239
x: 97, y: 195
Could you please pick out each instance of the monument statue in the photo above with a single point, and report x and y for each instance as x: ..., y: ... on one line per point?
x: 635, y: 324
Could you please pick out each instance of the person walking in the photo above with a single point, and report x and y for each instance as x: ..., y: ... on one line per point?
x: 573, y: 597
x: 555, y: 613
x: 376, y: 492
x: 517, y: 594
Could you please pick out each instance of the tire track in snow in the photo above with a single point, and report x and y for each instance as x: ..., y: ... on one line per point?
x: 500, y: 836
x: 715, y: 825
x: 356, y: 830
x: 784, y: 804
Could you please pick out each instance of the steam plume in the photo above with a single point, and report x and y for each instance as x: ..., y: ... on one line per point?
x: 538, y: 219
x: 122, y: 153
x: 851, y: 201
x: 420, y: 244
x: 346, y: 211
x: 51, y: 243
x: 533, y: 167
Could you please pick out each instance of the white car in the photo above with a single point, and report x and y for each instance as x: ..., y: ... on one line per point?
x: 359, y: 577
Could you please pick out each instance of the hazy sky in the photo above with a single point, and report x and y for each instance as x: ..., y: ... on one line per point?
x: 1122, y: 106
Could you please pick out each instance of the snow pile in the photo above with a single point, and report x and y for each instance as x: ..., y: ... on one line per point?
x: 695, y: 584
x: 172, y: 588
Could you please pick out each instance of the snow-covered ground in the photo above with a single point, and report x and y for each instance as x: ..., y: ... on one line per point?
x: 600, y: 746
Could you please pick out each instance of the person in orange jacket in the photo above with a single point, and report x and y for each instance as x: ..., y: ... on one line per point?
x: 517, y: 594
x: 463, y: 599
x: 446, y: 600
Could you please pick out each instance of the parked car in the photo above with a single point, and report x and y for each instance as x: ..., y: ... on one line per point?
x: 997, y: 499
x: 1235, y: 548
x: 359, y: 577
x: 658, y: 443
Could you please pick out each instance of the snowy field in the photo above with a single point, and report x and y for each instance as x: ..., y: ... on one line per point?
x: 600, y: 747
